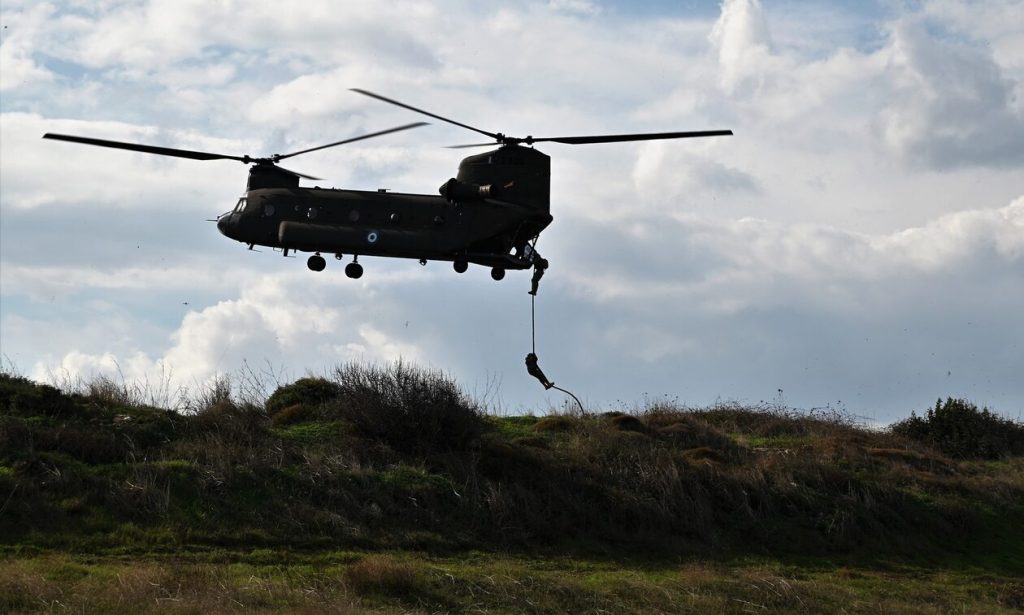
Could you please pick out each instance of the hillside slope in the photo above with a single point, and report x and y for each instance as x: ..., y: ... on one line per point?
x: 399, y: 459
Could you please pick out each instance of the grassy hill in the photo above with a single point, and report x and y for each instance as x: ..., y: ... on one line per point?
x: 386, y: 488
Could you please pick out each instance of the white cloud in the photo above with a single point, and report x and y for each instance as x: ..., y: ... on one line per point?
x: 996, y: 22
x: 78, y: 367
x: 581, y: 7
x: 667, y: 173
x: 144, y: 37
x: 148, y: 37
x: 962, y: 238
x: 21, y: 28
x: 952, y: 105
x: 743, y: 44
x: 277, y: 319
x: 53, y: 283
x: 18, y: 69
x: 376, y: 346
x: 309, y: 96
x: 941, y: 100
x: 756, y: 261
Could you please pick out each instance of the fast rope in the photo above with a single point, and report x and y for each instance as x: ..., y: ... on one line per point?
x: 533, y: 324
x: 531, y: 359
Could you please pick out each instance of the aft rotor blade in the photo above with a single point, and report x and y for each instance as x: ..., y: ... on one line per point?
x: 353, y: 139
x: 491, y: 144
x: 297, y: 174
x: 427, y: 113
x: 646, y: 136
x: 147, y: 149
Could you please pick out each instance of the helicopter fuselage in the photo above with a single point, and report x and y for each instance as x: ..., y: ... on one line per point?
x: 380, y: 223
x: 487, y: 215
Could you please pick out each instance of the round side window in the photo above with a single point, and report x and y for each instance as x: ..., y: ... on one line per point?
x: 268, y: 210
x: 353, y: 216
x: 312, y: 213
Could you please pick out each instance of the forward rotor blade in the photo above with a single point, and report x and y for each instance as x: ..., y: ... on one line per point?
x: 647, y: 136
x: 427, y: 113
x: 353, y: 139
x: 147, y: 149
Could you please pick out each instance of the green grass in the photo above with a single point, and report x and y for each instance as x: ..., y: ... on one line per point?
x: 512, y: 427
x: 401, y: 581
x: 312, y: 433
x: 774, y: 442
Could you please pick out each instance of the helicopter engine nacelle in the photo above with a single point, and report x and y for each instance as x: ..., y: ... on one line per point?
x: 455, y: 191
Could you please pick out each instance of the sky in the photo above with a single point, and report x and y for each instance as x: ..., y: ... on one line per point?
x: 858, y: 244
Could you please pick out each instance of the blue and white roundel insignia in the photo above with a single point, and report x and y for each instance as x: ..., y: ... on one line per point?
x: 372, y: 236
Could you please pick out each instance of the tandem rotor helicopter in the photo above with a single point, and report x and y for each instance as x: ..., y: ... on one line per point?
x: 490, y: 214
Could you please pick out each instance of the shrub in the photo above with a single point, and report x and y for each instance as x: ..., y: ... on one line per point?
x: 235, y: 424
x: 22, y: 397
x: 104, y: 392
x: 410, y: 409
x: 959, y: 429
x: 308, y: 392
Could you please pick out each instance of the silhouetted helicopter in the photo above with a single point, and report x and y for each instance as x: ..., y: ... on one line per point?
x: 490, y: 214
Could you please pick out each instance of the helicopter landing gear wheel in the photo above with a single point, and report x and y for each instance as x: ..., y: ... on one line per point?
x: 354, y: 270
x: 497, y: 273
x: 460, y: 266
x: 316, y: 263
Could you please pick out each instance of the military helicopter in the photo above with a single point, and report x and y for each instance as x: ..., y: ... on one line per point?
x: 490, y: 214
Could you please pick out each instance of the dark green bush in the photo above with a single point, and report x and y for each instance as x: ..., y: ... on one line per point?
x: 308, y: 392
x: 410, y: 409
x: 959, y: 429
x: 22, y: 397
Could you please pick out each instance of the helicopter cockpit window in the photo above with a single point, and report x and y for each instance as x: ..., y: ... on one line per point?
x: 240, y: 206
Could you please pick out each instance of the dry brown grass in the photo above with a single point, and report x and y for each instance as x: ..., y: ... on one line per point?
x: 704, y: 454
x: 383, y: 574
x: 919, y: 460
x: 291, y: 414
x: 626, y: 422
x: 59, y: 584
x: 555, y: 423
